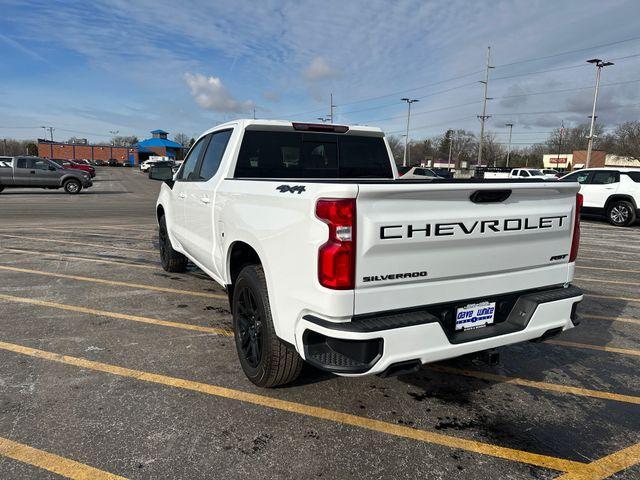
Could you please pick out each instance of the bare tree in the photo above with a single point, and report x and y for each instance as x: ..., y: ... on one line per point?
x: 182, y: 139
x: 124, y: 141
x: 397, y: 145
x: 627, y: 140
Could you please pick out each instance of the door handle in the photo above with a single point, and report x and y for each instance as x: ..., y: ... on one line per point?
x: 205, y: 200
x: 182, y: 195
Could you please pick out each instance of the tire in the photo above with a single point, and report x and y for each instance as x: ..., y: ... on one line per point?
x: 1, y: 188
x: 621, y: 213
x: 265, y: 359
x: 171, y: 260
x: 72, y: 187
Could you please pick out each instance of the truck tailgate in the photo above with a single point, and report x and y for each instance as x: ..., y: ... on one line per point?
x: 422, y: 244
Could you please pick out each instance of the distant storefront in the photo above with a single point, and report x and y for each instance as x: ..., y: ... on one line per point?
x: 80, y: 149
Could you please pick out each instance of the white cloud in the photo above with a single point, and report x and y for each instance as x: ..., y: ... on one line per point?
x: 210, y: 93
x: 319, y: 69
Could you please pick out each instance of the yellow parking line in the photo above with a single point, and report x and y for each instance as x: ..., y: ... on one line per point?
x: 611, y: 297
x: 116, y: 283
x: 607, y: 269
x: 120, y: 316
x: 606, y: 466
x: 606, y: 244
x: 307, y: 410
x: 85, y: 259
x: 53, y: 463
x: 552, y: 387
x: 588, y: 346
x: 91, y: 234
x: 613, y: 319
x: 600, y: 280
x: 608, y: 251
x: 70, y: 242
x: 601, y: 259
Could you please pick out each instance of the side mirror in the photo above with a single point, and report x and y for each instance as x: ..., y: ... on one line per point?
x: 163, y: 173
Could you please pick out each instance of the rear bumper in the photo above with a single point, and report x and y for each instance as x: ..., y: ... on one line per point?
x: 372, y: 344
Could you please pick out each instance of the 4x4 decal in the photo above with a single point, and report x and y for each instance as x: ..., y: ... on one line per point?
x: 288, y: 188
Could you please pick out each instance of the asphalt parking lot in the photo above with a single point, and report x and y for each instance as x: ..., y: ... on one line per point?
x: 111, y: 368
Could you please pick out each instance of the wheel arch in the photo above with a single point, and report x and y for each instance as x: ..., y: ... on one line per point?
x: 619, y: 197
x: 239, y: 254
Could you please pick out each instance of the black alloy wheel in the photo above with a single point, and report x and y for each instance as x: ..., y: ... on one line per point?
x: 250, y: 327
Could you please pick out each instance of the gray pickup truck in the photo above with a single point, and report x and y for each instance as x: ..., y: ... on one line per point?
x: 36, y: 172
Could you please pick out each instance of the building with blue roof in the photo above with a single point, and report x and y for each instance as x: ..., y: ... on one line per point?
x: 160, y: 145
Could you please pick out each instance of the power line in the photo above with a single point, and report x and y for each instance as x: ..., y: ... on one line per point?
x: 568, y: 52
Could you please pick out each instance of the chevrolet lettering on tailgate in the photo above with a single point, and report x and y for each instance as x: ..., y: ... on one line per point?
x: 468, y: 228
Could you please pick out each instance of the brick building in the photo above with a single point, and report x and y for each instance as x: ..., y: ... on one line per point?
x: 79, y: 151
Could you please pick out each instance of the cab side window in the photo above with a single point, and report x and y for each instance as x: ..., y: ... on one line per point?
x: 25, y: 163
x: 524, y: 173
x: 188, y: 170
x: 41, y: 164
x: 580, y: 177
x: 213, y: 156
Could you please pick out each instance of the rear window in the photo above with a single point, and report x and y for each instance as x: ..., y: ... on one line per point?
x: 311, y: 155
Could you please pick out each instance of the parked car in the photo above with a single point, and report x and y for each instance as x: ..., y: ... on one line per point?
x: 75, y: 166
x: 162, y: 165
x: 550, y: 172
x: 100, y: 163
x: 112, y: 162
x: 419, y: 173
x: 613, y: 193
x: 532, y: 174
x: 328, y: 259
x: 36, y: 172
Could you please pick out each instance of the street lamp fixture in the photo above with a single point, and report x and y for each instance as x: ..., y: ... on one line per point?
x: 599, y: 65
x: 409, y: 101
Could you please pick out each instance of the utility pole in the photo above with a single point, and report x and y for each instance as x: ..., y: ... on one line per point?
x: 51, y: 129
x: 113, y: 134
x: 450, y: 146
x: 4, y: 149
x: 560, y: 143
x: 510, y: 125
x: 599, y: 64
x: 484, y: 115
x: 406, y: 138
x: 254, y: 113
x: 331, y: 105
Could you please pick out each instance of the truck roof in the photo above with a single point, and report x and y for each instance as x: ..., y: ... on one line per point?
x: 288, y: 125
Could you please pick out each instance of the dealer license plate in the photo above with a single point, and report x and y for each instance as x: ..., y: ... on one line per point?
x: 475, y: 315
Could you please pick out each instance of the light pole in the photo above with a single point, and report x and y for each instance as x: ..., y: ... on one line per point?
x: 510, y: 125
x: 450, y: 132
x: 113, y: 134
x: 599, y: 64
x: 406, y: 138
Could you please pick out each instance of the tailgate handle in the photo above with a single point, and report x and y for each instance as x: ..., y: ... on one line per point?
x: 490, y: 196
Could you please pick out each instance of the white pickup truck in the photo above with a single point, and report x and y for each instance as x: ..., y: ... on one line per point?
x: 328, y: 258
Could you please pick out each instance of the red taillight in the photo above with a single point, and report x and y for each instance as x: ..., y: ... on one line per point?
x: 575, y: 241
x: 337, y: 257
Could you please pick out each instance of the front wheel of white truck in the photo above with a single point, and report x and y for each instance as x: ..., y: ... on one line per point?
x: 266, y: 360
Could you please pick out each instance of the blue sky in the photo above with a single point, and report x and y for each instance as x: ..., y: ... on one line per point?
x: 87, y: 68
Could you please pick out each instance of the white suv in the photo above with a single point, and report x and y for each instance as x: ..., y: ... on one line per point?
x: 611, y: 192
